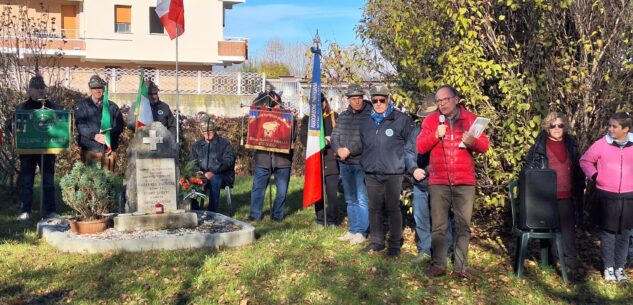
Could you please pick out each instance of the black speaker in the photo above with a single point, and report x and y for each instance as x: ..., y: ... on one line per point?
x: 538, y: 205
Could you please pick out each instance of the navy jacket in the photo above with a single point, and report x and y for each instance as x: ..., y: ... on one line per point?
x: 216, y: 156
x: 88, y: 121
x: 383, y: 145
x: 414, y: 160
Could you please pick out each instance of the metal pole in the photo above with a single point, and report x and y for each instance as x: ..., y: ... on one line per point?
x: 41, y: 185
x: 177, y: 94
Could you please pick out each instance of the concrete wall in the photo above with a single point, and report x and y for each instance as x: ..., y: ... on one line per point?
x: 220, y: 105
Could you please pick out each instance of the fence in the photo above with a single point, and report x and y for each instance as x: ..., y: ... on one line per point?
x: 127, y: 80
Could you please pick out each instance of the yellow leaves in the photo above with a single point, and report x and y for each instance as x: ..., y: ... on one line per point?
x: 501, y: 17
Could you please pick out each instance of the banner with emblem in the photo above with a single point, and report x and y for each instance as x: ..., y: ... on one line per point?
x: 43, y: 131
x: 270, y: 129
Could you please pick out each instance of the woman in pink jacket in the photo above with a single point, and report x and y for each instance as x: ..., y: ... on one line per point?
x: 609, y: 162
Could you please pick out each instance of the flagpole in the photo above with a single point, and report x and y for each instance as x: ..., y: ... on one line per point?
x: 177, y: 94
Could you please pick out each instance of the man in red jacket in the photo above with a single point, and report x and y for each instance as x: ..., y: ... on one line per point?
x: 451, y: 177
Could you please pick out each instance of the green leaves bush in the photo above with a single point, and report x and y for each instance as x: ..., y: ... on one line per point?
x: 90, y: 191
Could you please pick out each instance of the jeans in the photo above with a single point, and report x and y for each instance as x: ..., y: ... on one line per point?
x: 261, y: 178
x: 214, y: 186
x: 353, y: 178
x: 613, y: 248
x: 461, y: 199
x: 384, y: 200
x: 422, y: 217
x: 27, y: 176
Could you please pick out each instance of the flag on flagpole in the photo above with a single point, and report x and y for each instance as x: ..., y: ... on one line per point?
x: 106, y: 120
x: 313, y: 183
x: 172, y: 16
x: 142, y: 108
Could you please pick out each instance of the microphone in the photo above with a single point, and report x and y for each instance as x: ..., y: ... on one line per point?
x: 442, y: 120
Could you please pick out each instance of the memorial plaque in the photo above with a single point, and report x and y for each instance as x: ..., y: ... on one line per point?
x: 156, y: 183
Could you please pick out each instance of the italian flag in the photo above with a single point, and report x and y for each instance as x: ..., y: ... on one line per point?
x: 172, y: 16
x: 106, y: 121
x: 142, y: 108
x: 313, y: 183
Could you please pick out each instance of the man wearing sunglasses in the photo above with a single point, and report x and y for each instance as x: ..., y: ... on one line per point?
x: 384, y: 137
x: 452, y: 177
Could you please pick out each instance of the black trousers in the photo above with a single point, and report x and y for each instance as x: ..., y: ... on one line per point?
x: 383, y: 192
x: 567, y: 221
x: 331, y: 190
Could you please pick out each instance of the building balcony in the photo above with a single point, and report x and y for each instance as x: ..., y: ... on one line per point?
x: 67, y: 43
x: 233, y: 50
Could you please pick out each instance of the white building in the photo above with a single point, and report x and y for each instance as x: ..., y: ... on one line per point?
x: 128, y: 34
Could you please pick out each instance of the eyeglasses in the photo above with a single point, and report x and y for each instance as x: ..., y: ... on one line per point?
x: 379, y: 100
x: 552, y: 126
x: 153, y: 93
x: 443, y: 100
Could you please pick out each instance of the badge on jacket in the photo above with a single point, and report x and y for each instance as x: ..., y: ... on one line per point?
x: 389, y: 132
x: 160, y: 112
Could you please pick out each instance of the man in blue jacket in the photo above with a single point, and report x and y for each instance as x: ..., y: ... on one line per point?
x: 88, y: 120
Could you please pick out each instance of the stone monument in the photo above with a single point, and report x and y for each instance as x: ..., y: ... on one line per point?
x: 151, y: 178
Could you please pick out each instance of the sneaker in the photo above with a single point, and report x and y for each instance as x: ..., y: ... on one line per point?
x: 52, y: 215
x: 609, y: 275
x: 346, y: 237
x: 373, y: 248
x: 422, y: 258
x: 357, y: 239
x: 620, y: 275
x: 24, y: 216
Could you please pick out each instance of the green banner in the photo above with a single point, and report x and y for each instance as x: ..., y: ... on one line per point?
x: 43, y: 131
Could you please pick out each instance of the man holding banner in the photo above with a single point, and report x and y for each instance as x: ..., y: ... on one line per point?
x: 28, y: 162
x: 99, y: 124
x: 270, y: 161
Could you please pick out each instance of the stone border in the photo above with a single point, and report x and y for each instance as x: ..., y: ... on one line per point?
x: 56, y: 235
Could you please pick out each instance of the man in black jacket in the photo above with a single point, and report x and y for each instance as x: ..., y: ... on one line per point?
x: 330, y: 166
x: 348, y: 147
x: 28, y: 162
x: 160, y: 110
x: 88, y: 120
x: 215, y: 159
x: 268, y: 164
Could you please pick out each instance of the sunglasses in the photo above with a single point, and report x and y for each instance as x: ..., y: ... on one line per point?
x: 379, y: 100
x: 552, y: 126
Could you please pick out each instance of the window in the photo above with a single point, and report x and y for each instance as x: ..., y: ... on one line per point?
x: 155, y: 26
x: 122, y: 18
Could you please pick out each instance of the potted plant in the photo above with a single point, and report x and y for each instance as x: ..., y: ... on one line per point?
x: 191, y: 187
x: 91, y: 192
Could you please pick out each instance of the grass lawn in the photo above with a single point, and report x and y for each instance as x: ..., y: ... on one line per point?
x: 290, y: 263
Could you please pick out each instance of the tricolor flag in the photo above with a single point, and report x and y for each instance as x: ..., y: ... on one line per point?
x: 313, y: 183
x: 172, y: 16
x: 142, y: 108
x: 106, y: 121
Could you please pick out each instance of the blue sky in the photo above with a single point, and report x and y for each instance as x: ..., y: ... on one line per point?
x: 293, y: 21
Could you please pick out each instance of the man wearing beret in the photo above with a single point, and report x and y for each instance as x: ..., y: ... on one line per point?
x: 214, y: 158
x: 28, y: 162
x: 88, y: 120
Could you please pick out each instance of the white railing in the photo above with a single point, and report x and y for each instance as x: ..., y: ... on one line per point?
x: 127, y: 80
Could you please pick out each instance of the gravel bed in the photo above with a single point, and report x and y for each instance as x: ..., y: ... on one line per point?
x: 205, y: 225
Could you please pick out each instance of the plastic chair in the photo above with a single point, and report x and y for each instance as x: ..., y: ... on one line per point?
x: 523, y: 237
x: 227, y: 190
